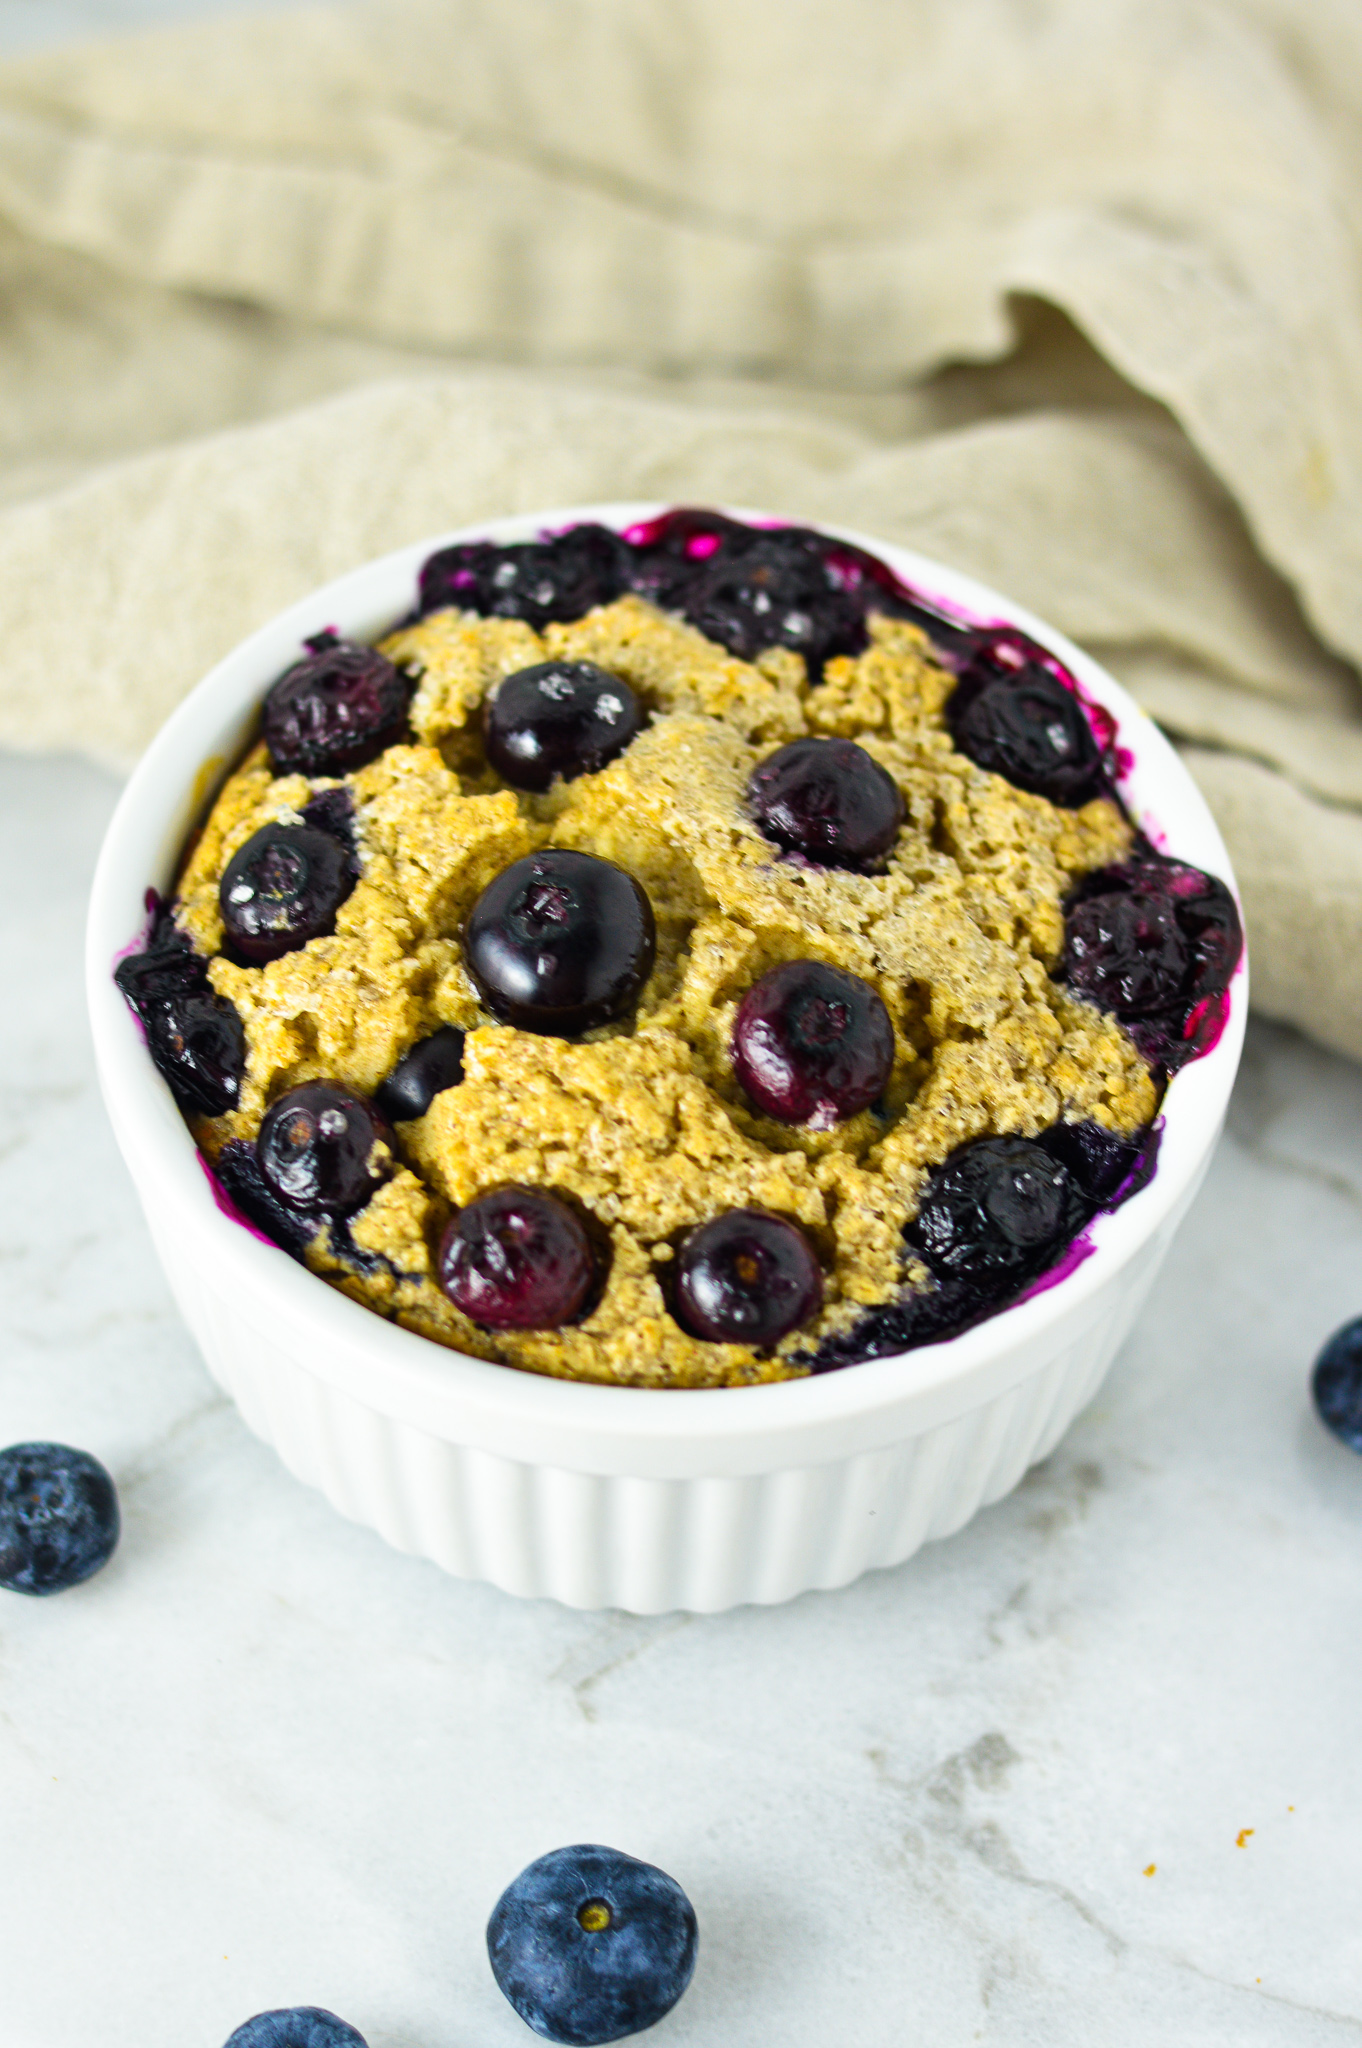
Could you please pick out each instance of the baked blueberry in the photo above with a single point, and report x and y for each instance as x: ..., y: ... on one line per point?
x: 316, y: 1149
x: 828, y: 800
x: 238, y: 1170
x: 334, y: 710
x: 194, y: 1036
x: 333, y: 811
x: 282, y: 888
x: 432, y: 1065
x: 670, y: 553
x: 779, y: 591
x: 589, y: 1945
x: 1014, y: 715
x: 812, y: 1044
x: 559, y: 578
x: 557, y: 719
x: 1336, y: 1384
x: 58, y: 1517
x: 995, y: 1211
x: 1156, y: 942
x: 560, y: 942
x: 1101, y: 1163
x: 746, y: 1278
x: 295, y: 2026
x: 517, y: 1259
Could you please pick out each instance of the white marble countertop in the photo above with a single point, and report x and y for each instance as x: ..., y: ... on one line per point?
x: 1086, y: 1773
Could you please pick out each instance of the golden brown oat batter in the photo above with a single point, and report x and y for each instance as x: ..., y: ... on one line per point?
x: 642, y: 1123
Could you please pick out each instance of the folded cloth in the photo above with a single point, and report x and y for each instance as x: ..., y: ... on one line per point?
x: 1067, y: 292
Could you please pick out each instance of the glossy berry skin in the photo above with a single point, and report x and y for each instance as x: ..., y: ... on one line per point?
x: 559, y: 578
x: 432, y: 1065
x: 194, y: 1036
x: 335, y: 710
x: 589, y: 1945
x: 59, y: 1517
x: 517, y: 1259
x: 812, y: 1045
x: 993, y: 1208
x: 1156, y: 942
x: 746, y: 1278
x: 295, y: 2026
x: 559, y: 719
x: 827, y: 800
x: 560, y: 942
x: 1014, y: 715
x: 1336, y: 1384
x: 315, y: 1149
x: 282, y: 888
x: 779, y: 591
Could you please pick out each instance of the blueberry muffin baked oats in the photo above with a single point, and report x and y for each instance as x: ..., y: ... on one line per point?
x: 683, y: 957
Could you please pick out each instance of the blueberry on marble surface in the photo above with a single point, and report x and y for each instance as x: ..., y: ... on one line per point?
x: 432, y: 1065
x: 559, y: 719
x: 334, y: 710
x: 590, y: 1945
x: 538, y: 581
x: 59, y: 1518
x: 828, y: 800
x: 282, y: 888
x: 1336, y: 1384
x: 194, y: 1036
x: 324, y: 1149
x: 560, y: 942
x: 1012, y: 713
x: 295, y: 2026
x: 812, y: 1044
x: 747, y: 1277
x: 517, y: 1259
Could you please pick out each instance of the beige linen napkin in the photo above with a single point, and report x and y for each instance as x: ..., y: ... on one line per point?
x: 1068, y: 292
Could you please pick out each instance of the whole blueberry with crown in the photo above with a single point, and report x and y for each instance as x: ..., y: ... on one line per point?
x: 282, y: 888
x: 590, y: 1945
x: 557, y: 720
x: 828, y: 800
x: 812, y: 1044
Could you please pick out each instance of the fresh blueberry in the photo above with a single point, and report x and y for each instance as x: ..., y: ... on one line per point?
x: 58, y: 1517
x: 432, y: 1065
x: 780, y: 591
x: 828, y: 800
x: 1155, y: 942
x: 560, y: 578
x: 282, y: 888
x: 295, y: 2026
x: 517, y: 1259
x: 335, y: 710
x: 1014, y: 715
x: 812, y: 1044
x: 589, y: 1945
x: 560, y: 718
x: 746, y: 1278
x: 1336, y: 1384
x: 315, y: 1149
x: 559, y: 942
x: 195, y: 1037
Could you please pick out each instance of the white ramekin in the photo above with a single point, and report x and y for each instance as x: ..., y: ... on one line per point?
x: 613, y: 1496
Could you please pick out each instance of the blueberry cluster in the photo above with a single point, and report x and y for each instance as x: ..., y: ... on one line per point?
x: 992, y: 1218
x: 1155, y: 942
x: 748, y: 588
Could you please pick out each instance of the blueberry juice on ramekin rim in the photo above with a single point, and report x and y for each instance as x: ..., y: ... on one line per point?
x: 691, y: 955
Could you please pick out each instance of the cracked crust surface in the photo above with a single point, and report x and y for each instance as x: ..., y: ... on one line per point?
x: 642, y: 1125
